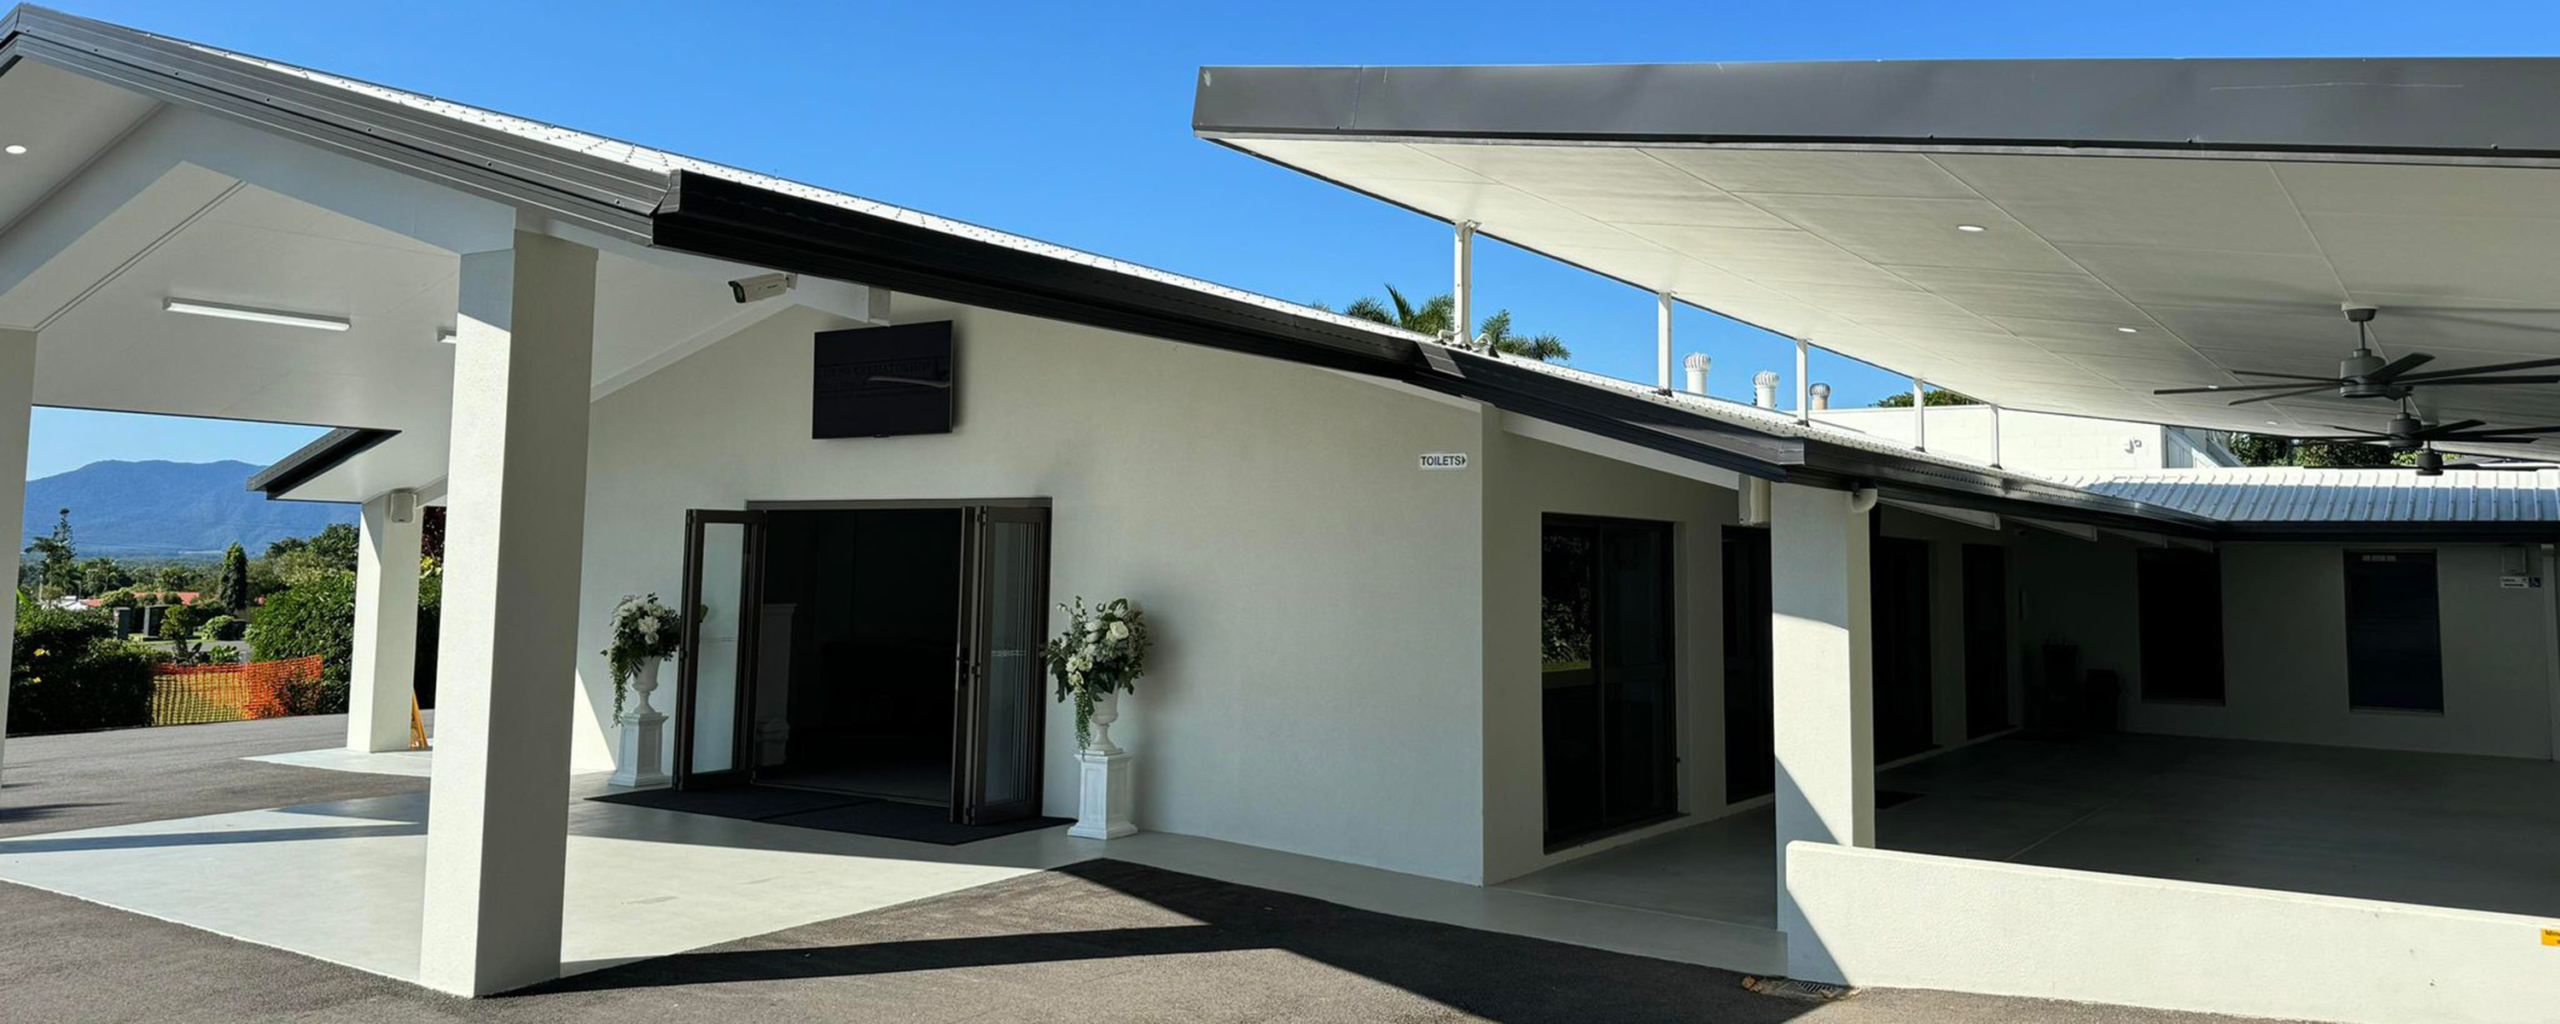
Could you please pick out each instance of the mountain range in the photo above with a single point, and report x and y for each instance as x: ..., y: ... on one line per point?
x: 130, y: 510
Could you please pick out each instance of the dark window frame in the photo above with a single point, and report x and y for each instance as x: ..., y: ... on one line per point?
x: 1675, y: 702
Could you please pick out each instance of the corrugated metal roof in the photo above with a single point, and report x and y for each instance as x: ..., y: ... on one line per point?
x: 2289, y: 494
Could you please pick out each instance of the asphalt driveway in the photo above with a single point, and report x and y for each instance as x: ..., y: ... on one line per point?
x: 1102, y: 940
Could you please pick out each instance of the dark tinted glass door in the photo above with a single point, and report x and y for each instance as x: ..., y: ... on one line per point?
x: 1900, y: 603
x: 1607, y: 674
x: 1004, y: 609
x: 722, y: 557
x: 2181, y: 613
x: 1750, y: 755
x: 2395, y: 657
x: 1986, y: 639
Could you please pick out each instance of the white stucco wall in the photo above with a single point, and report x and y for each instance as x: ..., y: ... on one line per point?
x: 1317, y: 681
x: 2032, y: 441
x: 2284, y: 645
x: 1527, y: 480
x: 1885, y: 918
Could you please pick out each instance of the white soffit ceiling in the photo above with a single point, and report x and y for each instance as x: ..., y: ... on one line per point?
x: 2217, y: 264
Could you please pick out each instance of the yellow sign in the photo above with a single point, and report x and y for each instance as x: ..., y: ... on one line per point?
x: 2551, y: 936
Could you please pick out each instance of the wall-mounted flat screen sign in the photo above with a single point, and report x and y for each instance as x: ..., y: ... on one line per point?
x: 883, y: 381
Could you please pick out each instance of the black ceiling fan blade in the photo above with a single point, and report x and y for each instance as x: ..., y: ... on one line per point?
x: 2500, y: 431
x: 2393, y: 369
x: 2355, y: 430
x: 2466, y: 381
x: 2496, y: 439
x: 2282, y: 394
x: 2211, y: 388
x: 2287, y: 376
x: 2469, y: 370
x: 2442, y: 429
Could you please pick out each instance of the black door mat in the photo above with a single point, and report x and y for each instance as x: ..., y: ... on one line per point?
x: 826, y: 812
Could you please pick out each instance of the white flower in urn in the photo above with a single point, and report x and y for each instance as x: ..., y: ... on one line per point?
x: 641, y: 629
x: 1102, y: 651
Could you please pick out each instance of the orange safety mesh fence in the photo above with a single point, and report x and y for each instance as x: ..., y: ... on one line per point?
x: 188, y: 694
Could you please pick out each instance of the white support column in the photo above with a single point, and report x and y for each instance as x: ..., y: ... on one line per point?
x: 1804, y: 381
x: 1662, y: 341
x: 497, y: 820
x: 1463, y: 289
x: 383, y: 676
x: 1821, y: 682
x: 1919, y: 417
x: 17, y: 397
x: 1995, y: 437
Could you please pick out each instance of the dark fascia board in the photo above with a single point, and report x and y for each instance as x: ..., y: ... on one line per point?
x: 605, y: 195
x: 2453, y: 107
x: 320, y: 456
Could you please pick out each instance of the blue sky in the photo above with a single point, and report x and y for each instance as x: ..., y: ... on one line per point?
x: 1070, y: 122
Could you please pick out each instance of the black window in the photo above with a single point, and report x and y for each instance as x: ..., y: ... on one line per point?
x: 2395, y: 657
x: 2181, y: 596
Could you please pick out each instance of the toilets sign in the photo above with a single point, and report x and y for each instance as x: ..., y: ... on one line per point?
x: 1444, y: 460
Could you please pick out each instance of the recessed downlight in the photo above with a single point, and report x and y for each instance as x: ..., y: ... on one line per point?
x: 1969, y: 228
x: 2128, y: 330
x: 14, y: 149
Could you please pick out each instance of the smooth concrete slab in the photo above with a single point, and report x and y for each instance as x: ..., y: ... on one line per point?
x: 415, y: 764
x: 2432, y: 829
x: 341, y: 882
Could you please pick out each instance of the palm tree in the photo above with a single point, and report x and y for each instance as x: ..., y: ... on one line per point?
x: 1432, y: 318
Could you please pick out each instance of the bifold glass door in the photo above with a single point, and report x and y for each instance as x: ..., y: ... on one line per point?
x: 722, y: 557
x: 1004, y: 617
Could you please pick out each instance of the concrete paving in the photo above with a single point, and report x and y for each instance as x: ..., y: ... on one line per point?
x: 2445, y: 830
x: 1104, y: 940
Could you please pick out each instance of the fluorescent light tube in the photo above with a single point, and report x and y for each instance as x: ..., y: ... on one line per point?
x: 264, y: 316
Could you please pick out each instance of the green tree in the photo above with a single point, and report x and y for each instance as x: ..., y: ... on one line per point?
x: 101, y: 575
x: 56, y: 560
x: 2269, y: 450
x: 316, y: 615
x: 1433, y: 317
x: 233, y: 588
x: 177, y: 577
x: 1937, y: 397
x: 335, y: 546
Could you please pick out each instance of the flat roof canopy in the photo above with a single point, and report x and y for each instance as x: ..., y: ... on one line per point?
x: 2143, y: 224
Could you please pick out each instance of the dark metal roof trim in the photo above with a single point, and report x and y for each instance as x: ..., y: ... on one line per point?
x: 2475, y: 107
x: 320, y: 456
x: 603, y: 194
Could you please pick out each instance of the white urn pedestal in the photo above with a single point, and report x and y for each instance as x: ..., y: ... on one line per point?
x: 1110, y: 780
x: 643, y: 727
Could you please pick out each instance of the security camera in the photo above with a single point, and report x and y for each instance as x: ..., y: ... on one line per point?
x: 761, y: 287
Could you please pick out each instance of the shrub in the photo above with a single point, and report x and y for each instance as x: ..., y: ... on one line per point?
x: 316, y: 615
x: 219, y: 627
x: 67, y: 672
x: 185, y: 621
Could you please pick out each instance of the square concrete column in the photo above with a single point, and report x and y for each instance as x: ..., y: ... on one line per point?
x: 17, y: 396
x: 497, y: 820
x: 384, y: 674
x: 1822, y: 686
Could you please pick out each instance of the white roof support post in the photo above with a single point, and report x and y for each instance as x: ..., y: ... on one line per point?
x: 1995, y: 437
x: 17, y: 399
x: 1919, y: 417
x: 1821, y: 686
x: 498, y: 813
x: 1662, y: 341
x: 1804, y: 381
x: 382, y: 672
x: 1463, y: 290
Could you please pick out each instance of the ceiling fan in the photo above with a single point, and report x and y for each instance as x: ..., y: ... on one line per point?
x: 2406, y: 432
x: 2364, y: 374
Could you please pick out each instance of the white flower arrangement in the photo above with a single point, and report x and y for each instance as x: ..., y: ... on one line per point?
x: 642, y: 629
x: 1102, y: 651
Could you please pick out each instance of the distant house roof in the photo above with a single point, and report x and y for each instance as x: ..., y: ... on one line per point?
x: 2338, y: 496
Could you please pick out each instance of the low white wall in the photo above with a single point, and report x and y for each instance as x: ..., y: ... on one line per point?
x: 1318, y: 681
x: 2028, y: 440
x: 1883, y: 918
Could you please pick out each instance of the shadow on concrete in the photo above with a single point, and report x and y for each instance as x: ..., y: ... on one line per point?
x: 1211, y: 938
